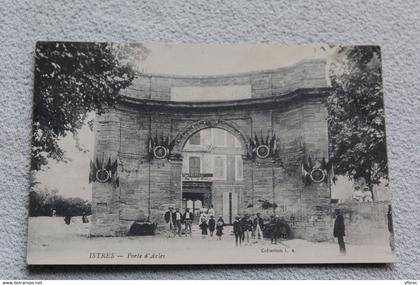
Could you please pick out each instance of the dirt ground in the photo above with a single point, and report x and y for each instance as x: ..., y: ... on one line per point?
x: 51, y: 241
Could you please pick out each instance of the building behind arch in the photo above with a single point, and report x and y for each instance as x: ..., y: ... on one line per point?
x: 212, y: 172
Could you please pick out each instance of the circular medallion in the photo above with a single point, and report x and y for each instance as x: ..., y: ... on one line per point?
x: 102, y: 175
x: 160, y: 152
x: 317, y: 175
x: 263, y: 151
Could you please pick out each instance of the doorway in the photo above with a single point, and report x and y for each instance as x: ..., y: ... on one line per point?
x: 196, y: 196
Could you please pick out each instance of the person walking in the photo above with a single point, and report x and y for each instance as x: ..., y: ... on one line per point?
x: 177, y: 220
x: 211, y: 211
x: 204, y: 226
x: 219, y: 227
x: 273, y: 225
x: 84, y: 218
x: 212, y: 225
x: 169, y: 219
x: 339, y: 231
x: 237, y: 230
x: 246, y: 228
x: 203, y: 216
x: 67, y: 219
x: 258, y: 226
x: 188, y: 218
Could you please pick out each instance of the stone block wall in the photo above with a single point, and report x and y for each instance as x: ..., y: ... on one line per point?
x: 302, y: 129
x: 105, y: 201
x: 366, y: 223
x: 276, y: 82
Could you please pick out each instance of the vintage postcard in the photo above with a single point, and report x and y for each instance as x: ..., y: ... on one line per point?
x: 208, y: 154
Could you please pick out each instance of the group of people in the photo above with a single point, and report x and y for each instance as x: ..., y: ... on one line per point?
x: 362, y: 194
x: 245, y: 228
x: 207, y: 223
x: 253, y: 227
x: 175, y: 220
x: 68, y: 218
x: 210, y: 225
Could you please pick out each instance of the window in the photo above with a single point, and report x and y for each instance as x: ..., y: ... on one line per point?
x: 239, y: 168
x: 207, y: 164
x: 195, y: 139
x: 219, y: 137
x: 206, y: 137
x: 219, y: 167
x: 194, y: 166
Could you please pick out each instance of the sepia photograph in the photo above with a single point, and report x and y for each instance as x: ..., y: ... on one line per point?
x: 163, y: 153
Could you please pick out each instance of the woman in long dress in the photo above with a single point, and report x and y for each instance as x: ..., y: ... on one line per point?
x: 219, y: 227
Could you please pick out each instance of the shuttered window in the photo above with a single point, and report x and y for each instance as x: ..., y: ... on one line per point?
x: 194, y: 165
x: 239, y: 168
x: 219, y: 167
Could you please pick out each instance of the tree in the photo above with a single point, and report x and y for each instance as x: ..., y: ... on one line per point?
x: 42, y: 201
x: 71, y: 80
x: 356, y: 115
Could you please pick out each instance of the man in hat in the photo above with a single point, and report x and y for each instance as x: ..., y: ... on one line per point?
x: 188, y: 218
x: 258, y: 225
x: 169, y: 219
x: 237, y: 230
x: 273, y: 229
x: 177, y: 221
x: 246, y: 228
x: 339, y: 230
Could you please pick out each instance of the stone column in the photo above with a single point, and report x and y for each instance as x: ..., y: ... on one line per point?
x: 105, y: 197
x: 165, y: 188
x: 316, y: 196
x: 263, y: 185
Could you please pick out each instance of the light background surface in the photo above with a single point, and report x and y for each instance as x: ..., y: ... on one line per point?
x: 392, y: 24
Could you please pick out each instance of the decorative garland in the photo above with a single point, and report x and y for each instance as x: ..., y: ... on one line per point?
x: 318, y: 175
x: 160, y: 147
x: 263, y: 148
x: 104, y: 172
x: 102, y: 175
x: 315, y: 170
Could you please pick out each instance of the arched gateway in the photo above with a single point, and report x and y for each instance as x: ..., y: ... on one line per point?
x: 278, y: 116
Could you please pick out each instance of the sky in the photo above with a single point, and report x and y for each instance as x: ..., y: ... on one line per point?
x: 214, y: 59
x: 71, y: 178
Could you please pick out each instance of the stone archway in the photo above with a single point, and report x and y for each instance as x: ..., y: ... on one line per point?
x: 149, y: 183
x: 224, y: 193
x: 182, y: 137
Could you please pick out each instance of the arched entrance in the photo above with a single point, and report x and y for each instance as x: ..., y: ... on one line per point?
x: 212, y: 173
x: 186, y: 132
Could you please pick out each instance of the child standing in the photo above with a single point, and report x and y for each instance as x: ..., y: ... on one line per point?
x: 237, y: 230
x: 204, y: 226
x: 212, y: 225
x: 219, y: 227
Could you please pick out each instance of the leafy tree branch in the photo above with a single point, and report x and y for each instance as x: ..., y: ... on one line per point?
x: 71, y: 80
x: 356, y: 115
